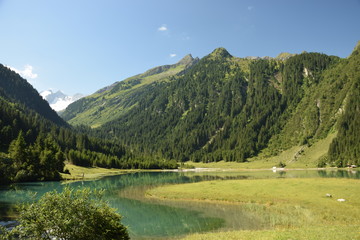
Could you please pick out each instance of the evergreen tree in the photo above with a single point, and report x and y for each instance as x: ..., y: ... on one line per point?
x: 18, y: 152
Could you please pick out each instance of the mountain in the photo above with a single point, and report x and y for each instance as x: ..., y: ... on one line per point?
x: 345, y: 148
x: 25, y: 152
x: 58, y: 100
x: 227, y: 108
x: 112, y: 102
x: 35, y: 141
x: 16, y: 89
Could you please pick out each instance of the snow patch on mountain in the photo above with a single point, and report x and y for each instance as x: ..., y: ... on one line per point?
x: 59, y: 100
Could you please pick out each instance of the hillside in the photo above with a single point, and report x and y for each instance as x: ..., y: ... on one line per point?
x: 235, y: 109
x: 35, y: 142
x: 16, y: 89
x: 114, y: 101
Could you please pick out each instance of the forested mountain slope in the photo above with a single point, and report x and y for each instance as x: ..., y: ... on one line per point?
x: 34, y: 143
x: 345, y: 149
x: 16, y: 89
x: 117, y: 99
x: 228, y: 108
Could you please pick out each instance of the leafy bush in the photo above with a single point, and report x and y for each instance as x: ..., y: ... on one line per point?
x: 281, y: 164
x: 80, y: 214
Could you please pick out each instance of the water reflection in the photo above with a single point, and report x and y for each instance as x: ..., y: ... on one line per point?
x: 147, y: 219
x: 151, y: 218
x: 351, y: 173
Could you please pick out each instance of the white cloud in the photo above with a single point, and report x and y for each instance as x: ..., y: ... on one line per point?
x: 173, y: 55
x: 26, y: 73
x: 163, y: 28
x: 250, y: 8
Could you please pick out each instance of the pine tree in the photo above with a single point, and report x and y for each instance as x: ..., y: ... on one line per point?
x: 18, y: 151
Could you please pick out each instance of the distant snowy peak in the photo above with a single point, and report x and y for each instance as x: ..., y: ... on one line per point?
x: 59, y: 100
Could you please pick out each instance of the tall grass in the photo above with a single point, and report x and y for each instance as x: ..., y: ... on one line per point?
x: 289, y: 208
x: 88, y: 173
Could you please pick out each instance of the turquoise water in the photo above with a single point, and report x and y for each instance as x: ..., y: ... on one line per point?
x: 154, y: 219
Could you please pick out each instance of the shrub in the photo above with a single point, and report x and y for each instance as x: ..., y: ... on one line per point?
x: 80, y: 214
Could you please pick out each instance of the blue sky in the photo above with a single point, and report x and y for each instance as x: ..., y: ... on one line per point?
x: 84, y: 45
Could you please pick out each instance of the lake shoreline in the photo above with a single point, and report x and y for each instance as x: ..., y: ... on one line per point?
x: 127, y: 193
x: 296, y: 208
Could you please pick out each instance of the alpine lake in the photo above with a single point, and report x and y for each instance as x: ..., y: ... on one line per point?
x: 150, y: 218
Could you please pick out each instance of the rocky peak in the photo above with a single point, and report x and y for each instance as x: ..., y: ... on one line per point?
x: 188, y: 59
x: 284, y: 56
x: 220, y: 53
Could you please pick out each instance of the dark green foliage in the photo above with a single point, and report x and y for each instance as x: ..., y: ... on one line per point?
x: 301, y: 71
x: 263, y: 108
x: 177, y: 119
x: 224, y: 108
x: 312, y: 116
x: 42, y: 160
x: 218, y: 108
x: 69, y: 215
x: 37, y: 146
x: 281, y: 165
x: 17, y: 89
x: 5, y: 169
x: 114, y: 101
x: 345, y: 148
x: 34, y: 148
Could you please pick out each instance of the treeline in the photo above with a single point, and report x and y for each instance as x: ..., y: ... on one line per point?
x: 42, y: 160
x: 18, y: 90
x: 33, y: 147
x: 223, y: 108
x: 345, y: 148
x: 177, y: 119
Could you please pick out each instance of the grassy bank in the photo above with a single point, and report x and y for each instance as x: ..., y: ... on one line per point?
x: 295, y: 157
x: 89, y: 173
x: 310, y: 233
x: 290, y: 208
x: 306, y: 157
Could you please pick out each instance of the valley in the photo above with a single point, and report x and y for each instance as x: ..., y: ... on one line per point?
x: 179, y: 120
x: 218, y: 147
x: 224, y: 108
x: 235, y: 204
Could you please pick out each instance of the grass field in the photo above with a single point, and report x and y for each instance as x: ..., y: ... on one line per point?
x: 310, y: 233
x: 306, y: 157
x: 291, y: 208
x: 89, y: 173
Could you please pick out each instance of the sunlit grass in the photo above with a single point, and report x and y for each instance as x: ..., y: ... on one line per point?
x: 290, y: 208
x: 310, y: 233
x: 87, y: 173
x: 308, y: 158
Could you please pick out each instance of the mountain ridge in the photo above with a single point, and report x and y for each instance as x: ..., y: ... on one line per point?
x: 16, y: 89
x: 121, y: 95
x: 229, y: 108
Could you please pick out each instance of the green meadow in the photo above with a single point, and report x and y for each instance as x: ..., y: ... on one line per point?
x: 294, y: 157
x: 287, y: 208
x: 88, y: 173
